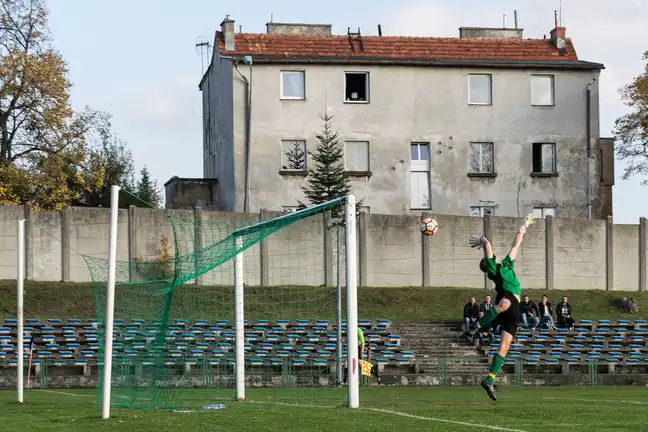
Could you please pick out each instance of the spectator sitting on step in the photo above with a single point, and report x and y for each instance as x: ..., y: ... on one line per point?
x: 529, y: 313
x: 471, y: 312
x: 485, y: 333
x: 564, y: 314
x: 545, y: 311
x: 486, y: 305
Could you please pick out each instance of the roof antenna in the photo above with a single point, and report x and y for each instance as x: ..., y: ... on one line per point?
x: 379, y: 30
x: 515, y: 18
x: 271, y: 17
x: 202, y: 48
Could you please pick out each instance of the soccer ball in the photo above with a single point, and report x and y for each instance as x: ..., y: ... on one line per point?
x: 429, y: 227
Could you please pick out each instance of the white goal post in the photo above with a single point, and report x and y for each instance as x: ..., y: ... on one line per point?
x: 353, y: 365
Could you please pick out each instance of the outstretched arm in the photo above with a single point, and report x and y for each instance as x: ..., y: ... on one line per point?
x: 517, y: 241
x: 488, y: 248
x: 515, y: 247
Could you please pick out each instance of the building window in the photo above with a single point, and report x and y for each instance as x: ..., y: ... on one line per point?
x: 543, y: 212
x: 289, y: 209
x: 420, y: 189
x: 356, y: 87
x: 544, y: 158
x: 356, y: 156
x: 481, y: 211
x: 481, y: 89
x: 542, y: 90
x: 481, y: 158
x: 293, y: 85
x: 293, y: 155
x: 420, y: 176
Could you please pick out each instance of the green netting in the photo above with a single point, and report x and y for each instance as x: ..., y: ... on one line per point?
x: 174, y: 315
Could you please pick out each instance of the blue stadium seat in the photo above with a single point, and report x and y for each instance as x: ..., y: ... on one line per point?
x: 320, y: 362
x: 585, y: 321
x: 572, y: 360
x: 535, y: 353
x: 639, y: 321
x: 605, y: 321
x: 537, y: 346
x: 582, y: 330
x: 597, y: 346
x: 594, y: 353
x: 74, y: 321
x: 530, y: 359
x: 556, y: 353
x: 598, y: 337
x: 299, y: 362
x: 552, y: 360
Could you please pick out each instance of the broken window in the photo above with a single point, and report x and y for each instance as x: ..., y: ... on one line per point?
x: 543, y: 212
x: 481, y: 158
x: 356, y: 87
x: 293, y: 155
x: 544, y: 157
x: 481, y: 211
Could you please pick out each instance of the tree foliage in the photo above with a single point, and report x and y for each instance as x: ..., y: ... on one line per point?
x: 295, y: 157
x: 326, y: 179
x: 148, y: 191
x: 117, y: 168
x: 631, y: 130
x: 44, y: 155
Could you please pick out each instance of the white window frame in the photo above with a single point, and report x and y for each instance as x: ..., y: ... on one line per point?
x: 482, y: 210
x: 418, y: 203
x: 418, y: 164
x: 367, y: 87
x: 490, y: 90
x: 290, y: 142
x: 289, y: 209
x: 281, y: 84
x: 543, y: 212
x: 420, y: 167
x: 554, y: 158
x: 481, y: 161
x: 553, y: 89
x: 346, y: 165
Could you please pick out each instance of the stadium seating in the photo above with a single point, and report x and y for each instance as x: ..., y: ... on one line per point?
x: 310, y: 342
x: 620, y: 342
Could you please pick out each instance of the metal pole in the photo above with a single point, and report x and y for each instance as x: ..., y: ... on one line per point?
x: 339, y: 311
x: 239, y: 330
x: 352, y: 303
x: 110, y: 300
x: 20, y: 289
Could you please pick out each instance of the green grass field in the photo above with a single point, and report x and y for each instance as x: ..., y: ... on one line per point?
x: 74, y: 300
x: 382, y: 409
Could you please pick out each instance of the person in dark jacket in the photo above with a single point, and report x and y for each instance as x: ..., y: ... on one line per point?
x: 564, y: 314
x: 486, y: 305
x: 545, y: 312
x: 529, y: 313
x: 471, y: 313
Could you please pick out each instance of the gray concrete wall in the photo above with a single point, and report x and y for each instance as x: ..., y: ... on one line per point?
x: 391, y: 251
x: 433, y: 107
x: 218, y: 130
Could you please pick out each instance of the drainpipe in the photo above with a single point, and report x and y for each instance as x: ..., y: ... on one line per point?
x: 588, y: 125
x: 248, y: 128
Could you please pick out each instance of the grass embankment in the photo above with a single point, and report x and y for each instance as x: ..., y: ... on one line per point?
x: 66, y: 300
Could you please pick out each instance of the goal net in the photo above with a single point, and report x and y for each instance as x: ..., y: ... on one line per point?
x: 233, y: 307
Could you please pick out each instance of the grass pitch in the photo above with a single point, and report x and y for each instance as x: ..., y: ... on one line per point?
x: 393, y: 409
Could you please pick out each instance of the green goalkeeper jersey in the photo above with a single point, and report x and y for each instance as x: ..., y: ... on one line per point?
x: 506, y: 271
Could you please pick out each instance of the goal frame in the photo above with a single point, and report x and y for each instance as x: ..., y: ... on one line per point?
x: 353, y: 365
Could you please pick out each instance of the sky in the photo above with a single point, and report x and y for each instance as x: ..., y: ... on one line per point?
x: 137, y: 59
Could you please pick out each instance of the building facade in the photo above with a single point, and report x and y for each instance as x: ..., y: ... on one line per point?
x: 487, y: 122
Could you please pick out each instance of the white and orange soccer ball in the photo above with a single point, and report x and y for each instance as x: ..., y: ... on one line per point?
x: 429, y: 227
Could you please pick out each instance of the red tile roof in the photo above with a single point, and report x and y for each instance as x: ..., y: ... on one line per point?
x: 397, y: 48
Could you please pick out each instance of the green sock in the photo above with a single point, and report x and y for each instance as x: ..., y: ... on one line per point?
x: 496, y: 366
x: 488, y: 317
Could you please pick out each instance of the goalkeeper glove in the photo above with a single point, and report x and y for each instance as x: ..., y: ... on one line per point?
x: 477, y: 241
x: 526, y: 223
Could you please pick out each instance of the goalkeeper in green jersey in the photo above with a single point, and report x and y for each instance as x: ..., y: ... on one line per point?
x: 507, y: 304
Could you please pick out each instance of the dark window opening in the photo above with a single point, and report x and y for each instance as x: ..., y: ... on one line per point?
x: 544, y: 158
x: 357, y: 87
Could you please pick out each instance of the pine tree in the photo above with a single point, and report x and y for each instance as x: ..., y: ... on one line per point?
x: 295, y: 157
x: 148, y: 191
x: 326, y: 180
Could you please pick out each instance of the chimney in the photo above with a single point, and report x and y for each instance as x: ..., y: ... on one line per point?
x: 298, y: 29
x: 227, y: 28
x: 558, y: 39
